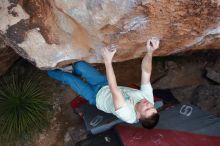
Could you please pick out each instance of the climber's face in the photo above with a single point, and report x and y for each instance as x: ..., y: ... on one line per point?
x: 145, y: 109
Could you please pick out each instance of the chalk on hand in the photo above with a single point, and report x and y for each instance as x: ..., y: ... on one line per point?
x: 112, y: 48
x: 153, y: 39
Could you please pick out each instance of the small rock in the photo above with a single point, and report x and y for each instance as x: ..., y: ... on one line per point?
x: 67, y: 137
x: 59, y: 109
x: 213, y: 75
x: 54, y: 119
x: 42, y: 137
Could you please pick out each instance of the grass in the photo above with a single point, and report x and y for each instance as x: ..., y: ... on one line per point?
x: 24, y: 107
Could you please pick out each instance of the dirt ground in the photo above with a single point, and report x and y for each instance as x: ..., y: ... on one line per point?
x: 180, y: 73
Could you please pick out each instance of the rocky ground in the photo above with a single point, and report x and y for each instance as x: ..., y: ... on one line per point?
x: 192, y: 77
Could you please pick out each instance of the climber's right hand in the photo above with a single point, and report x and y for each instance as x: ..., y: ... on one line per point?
x: 152, y: 44
x: 108, y: 53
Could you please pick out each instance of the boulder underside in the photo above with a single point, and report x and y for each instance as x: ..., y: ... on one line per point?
x: 53, y: 33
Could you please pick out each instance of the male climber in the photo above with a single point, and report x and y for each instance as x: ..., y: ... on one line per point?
x: 128, y: 104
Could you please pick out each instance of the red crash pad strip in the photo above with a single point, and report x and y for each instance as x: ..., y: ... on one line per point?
x: 132, y: 136
x: 77, y: 102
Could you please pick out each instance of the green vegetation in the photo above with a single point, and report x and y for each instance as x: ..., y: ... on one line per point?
x: 24, y: 107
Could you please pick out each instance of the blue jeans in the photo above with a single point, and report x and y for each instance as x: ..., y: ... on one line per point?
x: 88, y: 90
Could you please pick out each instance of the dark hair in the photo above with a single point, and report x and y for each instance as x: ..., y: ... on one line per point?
x: 151, y: 121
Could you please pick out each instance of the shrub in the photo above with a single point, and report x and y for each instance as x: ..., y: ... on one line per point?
x: 24, y: 107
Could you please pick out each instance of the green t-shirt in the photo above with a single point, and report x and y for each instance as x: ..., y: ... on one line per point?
x: 132, y: 96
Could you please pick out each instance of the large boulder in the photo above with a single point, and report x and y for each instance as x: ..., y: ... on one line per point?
x: 51, y: 33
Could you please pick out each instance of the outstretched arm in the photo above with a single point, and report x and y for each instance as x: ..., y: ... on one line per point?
x: 118, y: 98
x: 146, y: 66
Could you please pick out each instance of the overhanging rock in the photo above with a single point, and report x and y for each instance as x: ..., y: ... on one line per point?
x: 50, y: 33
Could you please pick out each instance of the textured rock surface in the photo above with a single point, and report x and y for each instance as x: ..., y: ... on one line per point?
x: 208, y: 98
x: 56, y: 32
x: 213, y: 75
x: 7, y: 57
